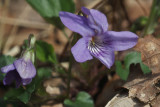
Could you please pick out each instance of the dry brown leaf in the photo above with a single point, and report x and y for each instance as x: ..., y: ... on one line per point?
x: 143, y: 87
x: 122, y: 100
x: 137, y: 8
x: 146, y: 87
x: 156, y: 102
x: 149, y: 47
x: 109, y: 90
x: 54, y: 86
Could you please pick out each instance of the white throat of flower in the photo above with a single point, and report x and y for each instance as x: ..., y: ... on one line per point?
x: 96, y: 46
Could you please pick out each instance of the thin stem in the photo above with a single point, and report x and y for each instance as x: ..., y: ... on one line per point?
x: 65, y: 34
x: 65, y: 48
x: 153, y: 18
x: 70, y: 66
x: 69, y: 74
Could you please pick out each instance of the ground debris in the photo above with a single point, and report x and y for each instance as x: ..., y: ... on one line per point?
x: 143, y: 91
x: 122, y: 100
x: 149, y: 47
x: 143, y: 86
x: 156, y: 102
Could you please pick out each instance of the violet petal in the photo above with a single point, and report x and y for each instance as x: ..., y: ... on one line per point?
x: 105, y: 54
x: 25, y: 68
x: 12, y: 76
x: 80, y: 51
x: 122, y: 40
x: 26, y: 81
x: 9, y: 78
x: 76, y: 23
x: 98, y: 17
x: 7, y: 68
x: 18, y: 80
x: 91, y: 22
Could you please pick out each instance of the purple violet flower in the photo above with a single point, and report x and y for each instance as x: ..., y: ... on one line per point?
x: 22, y: 71
x: 96, y: 40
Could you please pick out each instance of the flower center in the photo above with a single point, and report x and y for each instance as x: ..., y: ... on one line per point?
x: 92, y: 42
x: 95, y: 46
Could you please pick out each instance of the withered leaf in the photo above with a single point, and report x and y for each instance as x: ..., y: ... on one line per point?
x: 146, y: 87
x: 156, y: 102
x: 149, y: 47
x: 122, y: 100
x: 143, y: 87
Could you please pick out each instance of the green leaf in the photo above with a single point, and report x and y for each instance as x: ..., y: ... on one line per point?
x: 45, y: 52
x: 25, y: 44
x: 139, y: 24
x: 5, y: 60
x: 4, y: 103
x: 85, y: 65
x: 83, y: 99
x: 131, y: 58
x: 41, y: 91
x: 20, y: 93
x: 23, y: 94
x: 145, y: 68
x: 49, y: 9
x: 44, y: 73
x: 123, y: 73
x: 12, y: 94
x: 24, y: 97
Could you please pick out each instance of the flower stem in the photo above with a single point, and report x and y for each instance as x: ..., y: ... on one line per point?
x: 69, y: 74
x: 153, y: 18
x: 70, y: 65
x: 65, y: 34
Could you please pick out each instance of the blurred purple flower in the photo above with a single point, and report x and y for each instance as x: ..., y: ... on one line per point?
x: 22, y: 71
x: 96, y: 40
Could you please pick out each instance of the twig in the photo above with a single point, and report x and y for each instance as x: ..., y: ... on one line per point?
x: 65, y: 34
x: 14, y: 51
x: 142, y: 7
x: 24, y: 23
x: 125, y: 12
x: 69, y: 74
x: 96, y: 4
x: 2, y: 26
x: 12, y: 35
x: 66, y: 47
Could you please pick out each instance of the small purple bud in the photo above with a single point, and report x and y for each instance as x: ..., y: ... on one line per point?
x: 22, y: 70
